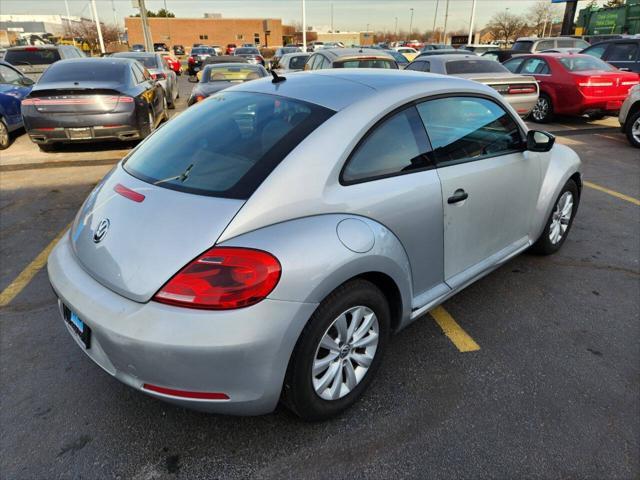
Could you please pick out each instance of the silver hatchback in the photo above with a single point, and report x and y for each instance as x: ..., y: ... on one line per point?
x: 265, y: 245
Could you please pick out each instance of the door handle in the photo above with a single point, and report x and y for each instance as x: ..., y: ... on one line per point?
x: 458, y: 196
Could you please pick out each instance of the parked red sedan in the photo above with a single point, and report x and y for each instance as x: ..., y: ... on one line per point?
x: 174, y: 63
x: 574, y: 84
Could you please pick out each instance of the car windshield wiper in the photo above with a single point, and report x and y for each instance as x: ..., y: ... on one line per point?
x: 22, y: 62
x: 182, y: 177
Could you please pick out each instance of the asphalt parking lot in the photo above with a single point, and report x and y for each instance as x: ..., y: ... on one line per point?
x: 553, y: 391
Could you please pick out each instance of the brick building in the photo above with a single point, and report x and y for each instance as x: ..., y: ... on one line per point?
x: 209, y: 31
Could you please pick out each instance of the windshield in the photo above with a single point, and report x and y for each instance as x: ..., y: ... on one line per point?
x: 583, y: 63
x: 458, y: 67
x: 225, y: 146
x: 32, y: 56
x: 522, y: 46
x: 367, y: 63
x: 148, y: 61
x: 86, y: 71
x: 398, y: 56
x: 231, y: 74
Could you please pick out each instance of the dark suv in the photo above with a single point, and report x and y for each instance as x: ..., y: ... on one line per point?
x: 622, y: 53
x: 33, y: 60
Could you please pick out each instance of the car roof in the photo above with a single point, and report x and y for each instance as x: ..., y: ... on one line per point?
x: 336, y: 53
x: 336, y: 89
x: 457, y: 57
x: 39, y: 47
x: 535, y: 39
x: 635, y: 39
x: 134, y: 54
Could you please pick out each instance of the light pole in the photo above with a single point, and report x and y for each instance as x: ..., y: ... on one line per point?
x: 97, y: 20
x: 446, y: 18
x: 410, y: 23
x: 146, y: 31
x: 332, y: 30
x: 473, y: 15
x: 304, y: 27
x: 66, y: 5
x: 435, y: 16
x: 395, y: 31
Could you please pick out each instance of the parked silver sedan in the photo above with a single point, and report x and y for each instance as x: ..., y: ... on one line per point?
x: 521, y: 91
x: 267, y: 244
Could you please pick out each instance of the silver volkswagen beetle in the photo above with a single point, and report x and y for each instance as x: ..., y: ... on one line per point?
x: 264, y: 245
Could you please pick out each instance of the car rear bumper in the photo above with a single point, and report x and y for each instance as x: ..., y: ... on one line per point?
x: 46, y: 129
x: 242, y: 353
x: 522, y: 104
x: 611, y: 105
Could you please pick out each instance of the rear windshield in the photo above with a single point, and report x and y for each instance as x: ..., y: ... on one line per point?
x: 91, y: 71
x: 148, y: 61
x: 240, y: 73
x: 474, y: 66
x: 225, y: 146
x: 522, y: 46
x: 365, y: 63
x: 32, y: 57
x: 298, y: 62
x: 247, y: 51
x: 584, y: 63
x: 203, y: 51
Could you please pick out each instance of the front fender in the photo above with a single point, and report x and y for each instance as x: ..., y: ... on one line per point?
x: 315, y: 260
x: 562, y: 163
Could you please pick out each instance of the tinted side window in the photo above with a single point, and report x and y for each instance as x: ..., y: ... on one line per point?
x: 417, y: 66
x: 323, y: 63
x: 137, y: 73
x: 396, y: 145
x: 622, y: 52
x: 596, y: 51
x: 535, y: 66
x: 427, y: 67
x: 544, y: 45
x: 468, y: 128
x: 513, y: 64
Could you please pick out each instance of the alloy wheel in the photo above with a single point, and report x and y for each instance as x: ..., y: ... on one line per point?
x: 4, y: 135
x: 345, y: 353
x: 541, y: 109
x: 635, y: 130
x: 152, y: 123
x: 561, y: 217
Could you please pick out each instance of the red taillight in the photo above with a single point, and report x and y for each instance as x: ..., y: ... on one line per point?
x: 521, y: 89
x: 185, y: 393
x: 223, y: 278
x: 199, y: 98
x: 31, y: 49
x: 191, y: 60
x: 158, y: 76
x: 128, y: 193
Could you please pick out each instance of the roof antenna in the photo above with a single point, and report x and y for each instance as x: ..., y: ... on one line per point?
x: 276, y: 78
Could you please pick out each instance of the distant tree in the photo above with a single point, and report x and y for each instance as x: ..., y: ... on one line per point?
x: 506, y: 26
x: 539, y: 16
x: 160, y: 13
x: 614, y: 3
x: 87, y: 32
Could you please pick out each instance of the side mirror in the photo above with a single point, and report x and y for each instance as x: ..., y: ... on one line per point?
x: 193, y: 79
x: 26, y: 81
x: 538, y: 141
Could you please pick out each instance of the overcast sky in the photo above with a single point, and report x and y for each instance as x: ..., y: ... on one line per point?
x: 348, y: 14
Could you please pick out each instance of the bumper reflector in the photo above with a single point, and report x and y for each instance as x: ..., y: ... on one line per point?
x: 185, y: 394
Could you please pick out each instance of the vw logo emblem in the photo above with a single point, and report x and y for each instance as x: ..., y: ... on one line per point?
x: 101, y: 231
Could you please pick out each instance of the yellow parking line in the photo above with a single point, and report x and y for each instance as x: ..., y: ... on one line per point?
x: 613, y: 193
x: 451, y: 329
x: 22, y: 280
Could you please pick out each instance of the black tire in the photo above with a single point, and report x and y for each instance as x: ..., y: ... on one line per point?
x: 628, y: 128
x: 5, y: 137
x: 47, y: 147
x: 148, y: 123
x: 298, y: 392
x: 543, y: 110
x: 596, y: 115
x: 544, y: 245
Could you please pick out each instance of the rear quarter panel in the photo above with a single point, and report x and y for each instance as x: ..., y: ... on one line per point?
x: 315, y: 260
